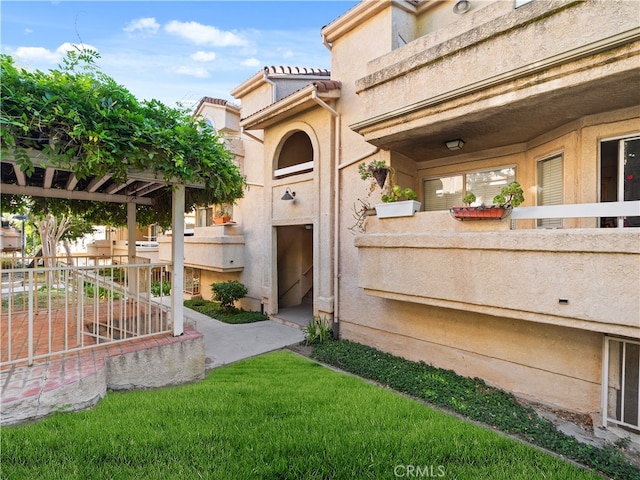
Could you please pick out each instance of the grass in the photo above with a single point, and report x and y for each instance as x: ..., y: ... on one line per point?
x: 276, y: 416
x: 214, y: 310
x: 471, y: 398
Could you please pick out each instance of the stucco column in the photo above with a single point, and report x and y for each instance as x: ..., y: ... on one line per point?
x: 177, y: 260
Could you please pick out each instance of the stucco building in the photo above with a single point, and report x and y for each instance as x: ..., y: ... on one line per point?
x: 544, y: 303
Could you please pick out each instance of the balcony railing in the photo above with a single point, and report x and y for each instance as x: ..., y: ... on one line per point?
x: 619, y: 210
x: 63, y: 308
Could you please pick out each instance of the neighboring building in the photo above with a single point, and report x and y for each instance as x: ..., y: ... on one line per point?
x: 545, y: 304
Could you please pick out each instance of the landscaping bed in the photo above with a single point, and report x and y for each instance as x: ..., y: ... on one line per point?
x: 471, y: 398
x: 226, y: 315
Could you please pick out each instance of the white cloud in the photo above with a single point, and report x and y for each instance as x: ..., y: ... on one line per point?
x: 144, y: 25
x: 251, y: 62
x: 203, y: 56
x: 198, y: 72
x: 28, y: 30
x: 204, y: 34
x: 37, y: 55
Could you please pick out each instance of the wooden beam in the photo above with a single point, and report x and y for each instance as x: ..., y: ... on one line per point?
x: 72, y: 181
x: 48, y: 177
x: 11, y: 189
x: 97, y: 182
x: 20, y: 178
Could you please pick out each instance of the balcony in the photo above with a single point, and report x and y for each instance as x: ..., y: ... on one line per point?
x: 584, y: 278
x: 451, y: 82
x: 218, y: 248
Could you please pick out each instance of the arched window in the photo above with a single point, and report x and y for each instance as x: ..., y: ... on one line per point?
x: 296, y: 156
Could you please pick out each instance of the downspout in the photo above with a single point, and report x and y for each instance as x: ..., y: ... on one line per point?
x: 336, y: 212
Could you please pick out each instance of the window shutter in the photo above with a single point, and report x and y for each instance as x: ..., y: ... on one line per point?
x: 550, y: 188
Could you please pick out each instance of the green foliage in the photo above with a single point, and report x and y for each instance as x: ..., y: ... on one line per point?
x: 318, y: 330
x: 510, y: 196
x: 397, y: 193
x: 214, y: 310
x: 82, y: 120
x: 469, y: 198
x: 471, y: 398
x: 160, y: 288
x: 102, y: 293
x: 228, y: 293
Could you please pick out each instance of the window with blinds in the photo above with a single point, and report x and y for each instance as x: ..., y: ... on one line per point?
x: 443, y: 193
x: 550, y: 188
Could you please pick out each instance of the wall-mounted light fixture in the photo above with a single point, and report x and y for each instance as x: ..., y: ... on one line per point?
x: 456, y: 144
x: 461, y: 6
x: 288, y: 195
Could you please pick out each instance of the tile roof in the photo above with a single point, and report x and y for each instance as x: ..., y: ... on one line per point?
x: 327, y: 85
x: 286, y: 70
x: 214, y: 101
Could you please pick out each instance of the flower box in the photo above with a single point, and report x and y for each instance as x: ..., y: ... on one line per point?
x: 493, y: 212
x: 404, y: 208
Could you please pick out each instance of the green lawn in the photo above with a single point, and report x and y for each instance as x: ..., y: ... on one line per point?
x: 276, y: 416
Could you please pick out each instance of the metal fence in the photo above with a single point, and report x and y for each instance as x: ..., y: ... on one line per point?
x: 48, y: 310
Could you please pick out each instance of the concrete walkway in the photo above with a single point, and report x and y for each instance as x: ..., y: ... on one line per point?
x: 226, y: 343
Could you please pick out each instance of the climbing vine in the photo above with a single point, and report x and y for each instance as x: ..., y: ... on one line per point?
x: 83, y: 121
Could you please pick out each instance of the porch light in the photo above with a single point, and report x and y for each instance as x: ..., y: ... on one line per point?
x: 456, y: 144
x: 288, y: 194
x: 461, y: 6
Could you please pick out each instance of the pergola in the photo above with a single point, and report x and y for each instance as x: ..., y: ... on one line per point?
x: 140, y: 188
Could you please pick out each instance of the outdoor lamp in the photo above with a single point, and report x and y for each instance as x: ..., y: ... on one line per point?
x: 456, y: 144
x: 288, y: 194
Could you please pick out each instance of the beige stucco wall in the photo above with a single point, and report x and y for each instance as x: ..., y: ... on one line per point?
x: 555, y: 365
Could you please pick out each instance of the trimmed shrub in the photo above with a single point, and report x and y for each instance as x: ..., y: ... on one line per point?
x: 227, y: 293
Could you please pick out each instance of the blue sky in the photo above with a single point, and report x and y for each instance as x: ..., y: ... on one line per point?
x: 174, y: 51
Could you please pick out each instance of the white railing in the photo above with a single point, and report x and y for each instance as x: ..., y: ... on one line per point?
x: 618, y: 210
x: 53, y: 310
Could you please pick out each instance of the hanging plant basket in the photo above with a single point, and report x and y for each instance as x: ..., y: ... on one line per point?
x: 380, y: 174
x: 493, y: 212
